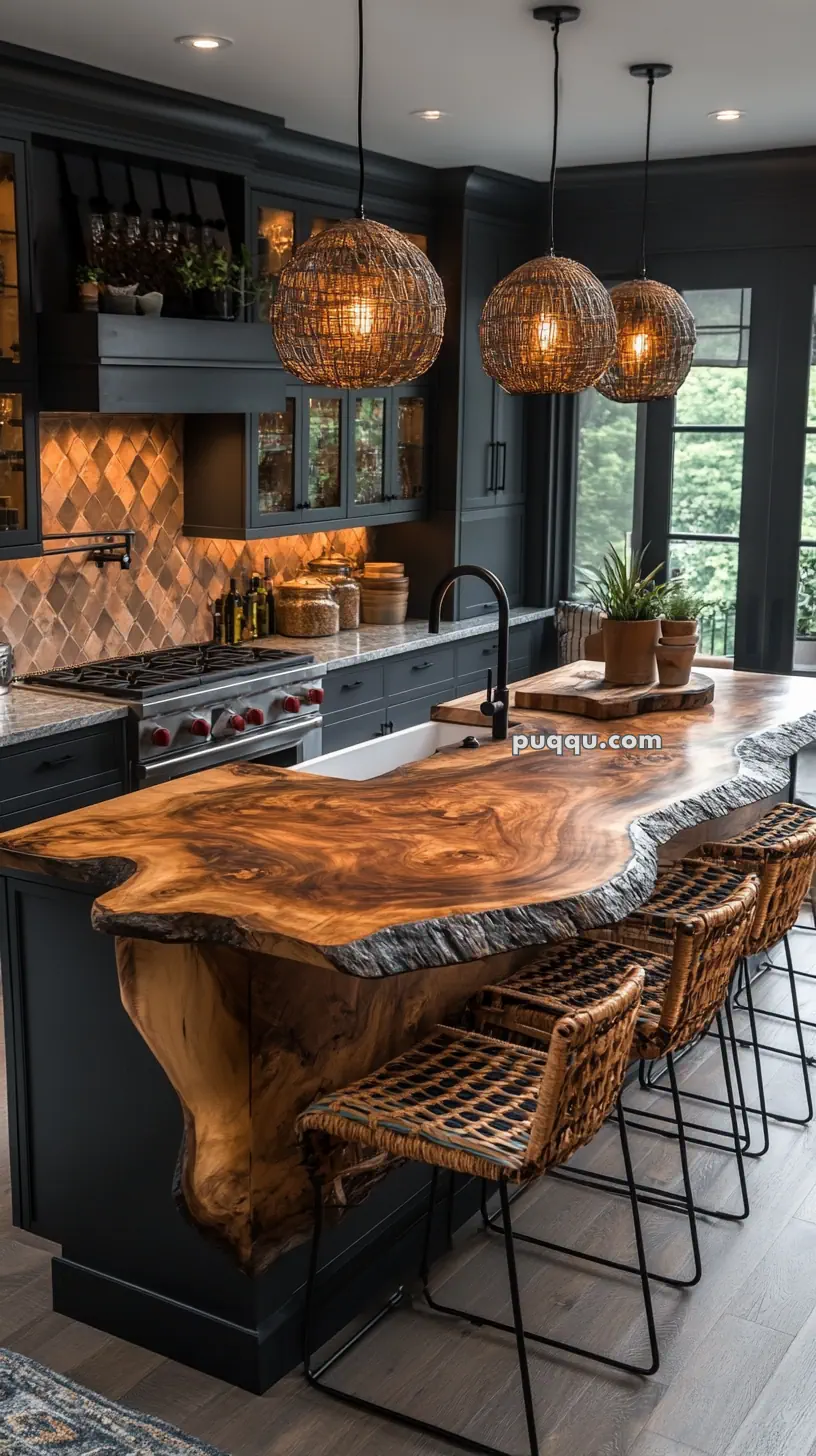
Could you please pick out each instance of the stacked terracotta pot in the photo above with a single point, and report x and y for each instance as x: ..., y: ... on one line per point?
x: 675, y: 652
x: 384, y: 593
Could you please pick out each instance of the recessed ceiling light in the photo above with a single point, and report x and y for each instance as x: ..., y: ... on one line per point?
x: 728, y: 114
x: 430, y: 115
x: 204, y: 42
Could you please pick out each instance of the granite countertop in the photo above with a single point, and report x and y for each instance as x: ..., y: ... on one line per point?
x: 346, y: 649
x: 27, y: 714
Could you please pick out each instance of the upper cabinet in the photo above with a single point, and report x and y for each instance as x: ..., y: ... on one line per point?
x: 314, y: 456
x: 16, y: 354
x: 493, y: 454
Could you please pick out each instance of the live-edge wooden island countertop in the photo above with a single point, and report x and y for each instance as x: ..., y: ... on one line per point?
x: 465, y: 854
x: 237, y: 895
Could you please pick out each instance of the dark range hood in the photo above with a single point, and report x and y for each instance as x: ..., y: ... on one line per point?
x: 114, y: 363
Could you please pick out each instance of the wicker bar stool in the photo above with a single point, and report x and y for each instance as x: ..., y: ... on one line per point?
x: 688, y: 938
x: 781, y: 849
x: 477, y: 1105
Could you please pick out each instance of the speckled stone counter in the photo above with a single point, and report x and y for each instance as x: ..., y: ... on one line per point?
x: 346, y: 649
x: 26, y: 713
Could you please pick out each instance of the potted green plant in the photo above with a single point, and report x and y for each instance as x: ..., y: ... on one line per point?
x: 681, y: 611
x: 678, y: 635
x: 208, y: 276
x: 632, y: 605
x: 89, y: 280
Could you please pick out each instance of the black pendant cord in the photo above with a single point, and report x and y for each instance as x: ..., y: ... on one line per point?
x: 556, y: 28
x: 360, y: 152
x: 651, y: 81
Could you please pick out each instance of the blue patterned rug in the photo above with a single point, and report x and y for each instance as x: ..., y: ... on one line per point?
x: 43, y: 1414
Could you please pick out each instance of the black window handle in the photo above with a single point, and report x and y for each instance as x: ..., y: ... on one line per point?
x: 349, y: 687
x: 49, y: 763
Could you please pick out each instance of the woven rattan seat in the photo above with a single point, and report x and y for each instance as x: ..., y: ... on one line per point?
x: 688, y: 938
x: 480, y: 1106
x: 781, y: 849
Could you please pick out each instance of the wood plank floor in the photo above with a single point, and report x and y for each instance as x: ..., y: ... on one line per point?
x: 738, y: 1372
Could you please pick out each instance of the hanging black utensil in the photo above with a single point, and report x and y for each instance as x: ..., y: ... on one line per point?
x: 132, y: 207
x: 162, y: 213
x: 100, y: 203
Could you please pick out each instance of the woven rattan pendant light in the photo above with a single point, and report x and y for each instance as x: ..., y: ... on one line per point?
x: 548, y: 327
x: 359, y: 305
x: 656, y: 331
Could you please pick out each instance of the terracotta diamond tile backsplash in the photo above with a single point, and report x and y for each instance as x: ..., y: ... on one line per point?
x: 102, y: 473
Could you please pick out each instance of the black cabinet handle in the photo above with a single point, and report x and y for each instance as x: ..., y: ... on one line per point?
x: 349, y: 687
x: 420, y: 666
x: 502, y: 446
x: 491, y: 468
x: 489, y: 651
x: 51, y: 763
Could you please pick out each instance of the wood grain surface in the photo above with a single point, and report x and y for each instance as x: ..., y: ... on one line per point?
x: 580, y: 688
x: 247, y: 1041
x: 467, y: 854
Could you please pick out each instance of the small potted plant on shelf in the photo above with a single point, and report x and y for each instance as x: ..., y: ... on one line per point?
x: 681, y: 610
x: 632, y: 604
x: 89, y: 280
x: 208, y: 277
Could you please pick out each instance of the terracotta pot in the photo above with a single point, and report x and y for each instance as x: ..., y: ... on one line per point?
x: 674, y: 664
x: 89, y: 297
x: 629, y: 651
x: 669, y: 628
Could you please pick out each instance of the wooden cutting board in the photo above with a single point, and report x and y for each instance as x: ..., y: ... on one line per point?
x: 580, y: 688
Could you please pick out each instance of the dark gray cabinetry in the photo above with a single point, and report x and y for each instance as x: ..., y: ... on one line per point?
x: 495, y: 540
x: 49, y: 776
x: 384, y: 697
x: 493, y: 422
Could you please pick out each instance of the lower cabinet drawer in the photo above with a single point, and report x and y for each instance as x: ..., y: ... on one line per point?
x: 419, y: 671
x: 19, y: 817
x: 418, y: 710
x: 351, y: 687
x: 342, y: 732
x: 35, y: 779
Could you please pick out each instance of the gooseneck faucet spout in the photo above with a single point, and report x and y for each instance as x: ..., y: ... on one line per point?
x: 497, y: 703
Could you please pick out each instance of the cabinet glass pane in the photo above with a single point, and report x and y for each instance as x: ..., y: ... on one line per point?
x: 276, y: 241
x: 276, y: 460
x: 325, y: 452
x: 411, y: 447
x: 9, y: 293
x: 12, y: 464
x: 369, y: 451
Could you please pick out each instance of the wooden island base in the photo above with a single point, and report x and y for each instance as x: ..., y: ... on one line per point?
x: 247, y: 1042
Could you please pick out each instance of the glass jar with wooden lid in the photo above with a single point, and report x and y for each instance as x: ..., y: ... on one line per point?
x: 306, y: 607
x: 337, y: 571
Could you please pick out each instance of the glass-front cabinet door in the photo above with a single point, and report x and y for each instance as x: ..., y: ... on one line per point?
x: 9, y: 262
x: 410, y: 448
x: 19, y: 479
x: 275, y: 245
x: 323, y: 476
x: 277, y: 460
x: 369, y: 483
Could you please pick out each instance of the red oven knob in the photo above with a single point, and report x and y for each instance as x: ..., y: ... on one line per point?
x: 255, y: 716
x: 291, y: 704
x: 315, y: 695
x: 161, y: 737
x: 237, y: 723
x: 199, y: 727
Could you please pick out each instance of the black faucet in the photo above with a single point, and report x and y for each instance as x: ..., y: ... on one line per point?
x: 497, y: 703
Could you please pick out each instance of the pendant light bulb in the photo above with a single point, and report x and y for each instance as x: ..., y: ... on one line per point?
x: 656, y: 329
x: 358, y: 306
x: 549, y: 327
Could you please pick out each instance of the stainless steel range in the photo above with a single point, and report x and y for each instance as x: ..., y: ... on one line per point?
x: 195, y: 707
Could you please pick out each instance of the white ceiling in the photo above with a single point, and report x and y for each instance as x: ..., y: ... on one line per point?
x: 486, y: 62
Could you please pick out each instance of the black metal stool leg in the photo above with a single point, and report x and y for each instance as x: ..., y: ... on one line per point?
x: 515, y: 1299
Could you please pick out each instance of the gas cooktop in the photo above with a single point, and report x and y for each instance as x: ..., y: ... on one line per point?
x: 151, y: 674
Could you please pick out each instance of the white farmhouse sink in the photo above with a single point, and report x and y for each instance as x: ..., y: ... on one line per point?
x: 380, y: 755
